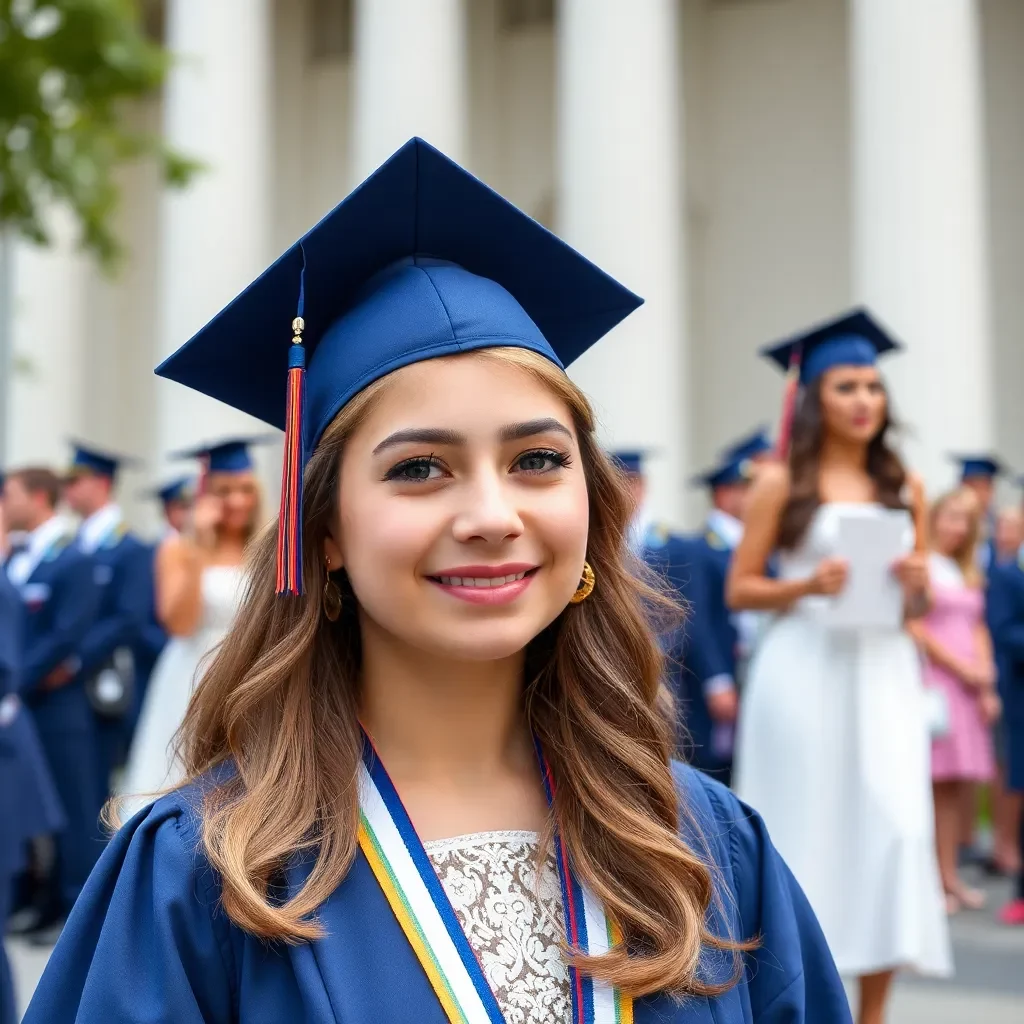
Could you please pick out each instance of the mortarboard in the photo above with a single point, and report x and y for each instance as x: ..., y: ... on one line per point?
x: 421, y: 260
x: 181, y: 489
x: 231, y: 455
x: 975, y: 465
x: 87, y: 459
x: 853, y: 339
x: 630, y: 460
x: 749, y: 446
x: 729, y: 471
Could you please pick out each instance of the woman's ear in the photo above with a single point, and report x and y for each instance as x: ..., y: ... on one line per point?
x: 332, y: 553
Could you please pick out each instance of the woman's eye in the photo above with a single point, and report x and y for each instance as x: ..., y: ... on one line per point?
x: 541, y: 461
x: 415, y: 470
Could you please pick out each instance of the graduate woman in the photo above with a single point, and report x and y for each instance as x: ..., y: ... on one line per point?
x: 833, y: 741
x: 431, y: 780
x: 199, y: 583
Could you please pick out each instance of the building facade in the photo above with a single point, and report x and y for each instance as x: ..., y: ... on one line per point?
x: 749, y: 166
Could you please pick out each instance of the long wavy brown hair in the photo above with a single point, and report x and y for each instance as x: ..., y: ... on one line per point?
x: 884, y: 467
x: 279, y: 702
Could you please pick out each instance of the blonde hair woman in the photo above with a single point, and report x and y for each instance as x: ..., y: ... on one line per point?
x: 432, y: 780
x: 199, y: 581
x: 960, y: 668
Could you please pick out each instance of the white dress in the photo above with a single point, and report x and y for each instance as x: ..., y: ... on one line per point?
x: 833, y: 751
x: 150, y: 763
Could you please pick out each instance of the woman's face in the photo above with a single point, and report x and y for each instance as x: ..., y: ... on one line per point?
x: 952, y: 524
x: 853, y: 402
x: 239, y: 497
x: 463, y: 509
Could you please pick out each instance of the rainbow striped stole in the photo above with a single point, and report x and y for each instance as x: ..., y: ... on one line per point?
x: 408, y: 880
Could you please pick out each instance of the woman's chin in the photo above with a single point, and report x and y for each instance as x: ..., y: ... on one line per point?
x: 473, y: 641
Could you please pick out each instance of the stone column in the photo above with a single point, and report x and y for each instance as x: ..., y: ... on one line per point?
x: 47, y: 325
x: 920, y: 255
x: 410, y: 78
x: 214, y: 236
x: 620, y: 203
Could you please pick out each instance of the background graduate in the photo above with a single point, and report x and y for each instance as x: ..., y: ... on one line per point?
x: 456, y: 681
x: 833, y: 741
x: 199, y: 578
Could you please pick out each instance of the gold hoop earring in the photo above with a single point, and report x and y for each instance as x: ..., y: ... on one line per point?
x: 331, y: 596
x: 586, y: 585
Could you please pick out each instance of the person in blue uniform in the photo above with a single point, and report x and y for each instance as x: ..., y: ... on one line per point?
x: 29, y: 805
x: 979, y: 473
x: 1005, y: 613
x: 454, y: 680
x: 714, y: 702
x: 60, y: 598
x: 693, y: 656
x: 123, y: 573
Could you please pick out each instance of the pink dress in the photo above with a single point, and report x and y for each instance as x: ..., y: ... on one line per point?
x: 965, y: 751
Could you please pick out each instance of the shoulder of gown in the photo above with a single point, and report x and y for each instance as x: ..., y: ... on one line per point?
x: 147, y: 939
x: 790, y: 976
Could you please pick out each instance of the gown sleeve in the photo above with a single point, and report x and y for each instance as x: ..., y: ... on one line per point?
x: 791, y: 976
x: 145, y: 941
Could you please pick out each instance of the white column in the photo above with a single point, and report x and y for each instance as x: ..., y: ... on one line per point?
x: 215, y: 235
x: 919, y: 216
x: 47, y: 322
x: 619, y: 200
x: 410, y: 61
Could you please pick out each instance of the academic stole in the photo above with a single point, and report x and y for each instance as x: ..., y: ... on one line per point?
x: 421, y: 906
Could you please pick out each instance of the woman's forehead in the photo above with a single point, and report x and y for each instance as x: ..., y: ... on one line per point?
x: 471, y: 392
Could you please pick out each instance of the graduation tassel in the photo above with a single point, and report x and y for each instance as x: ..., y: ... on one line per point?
x: 289, y: 525
x: 789, y: 398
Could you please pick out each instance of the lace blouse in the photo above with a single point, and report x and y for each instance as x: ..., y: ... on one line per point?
x: 512, y: 918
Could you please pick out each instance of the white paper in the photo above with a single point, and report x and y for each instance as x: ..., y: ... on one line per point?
x: 870, y: 541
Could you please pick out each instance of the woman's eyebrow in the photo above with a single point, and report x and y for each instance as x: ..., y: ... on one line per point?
x: 444, y: 436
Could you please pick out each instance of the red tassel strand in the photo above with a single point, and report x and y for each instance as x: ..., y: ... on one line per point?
x: 289, y: 527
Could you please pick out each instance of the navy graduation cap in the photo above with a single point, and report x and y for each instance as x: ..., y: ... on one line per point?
x: 88, y: 459
x: 853, y: 339
x: 630, y: 460
x: 979, y: 465
x: 232, y: 455
x: 731, y: 470
x: 421, y: 260
x: 180, y: 489
x: 750, y: 446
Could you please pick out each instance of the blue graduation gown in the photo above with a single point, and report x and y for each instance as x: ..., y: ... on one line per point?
x: 149, y: 942
x: 29, y: 805
x: 698, y: 653
x: 123, y: 575
x: 1005, y: 613
x: 60, y: 600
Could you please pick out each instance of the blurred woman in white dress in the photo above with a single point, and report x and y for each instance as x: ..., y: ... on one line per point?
x: 199, y: 582
x: 833, y: 744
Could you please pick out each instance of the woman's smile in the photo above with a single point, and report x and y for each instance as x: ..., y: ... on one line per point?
x: 485, y: 584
